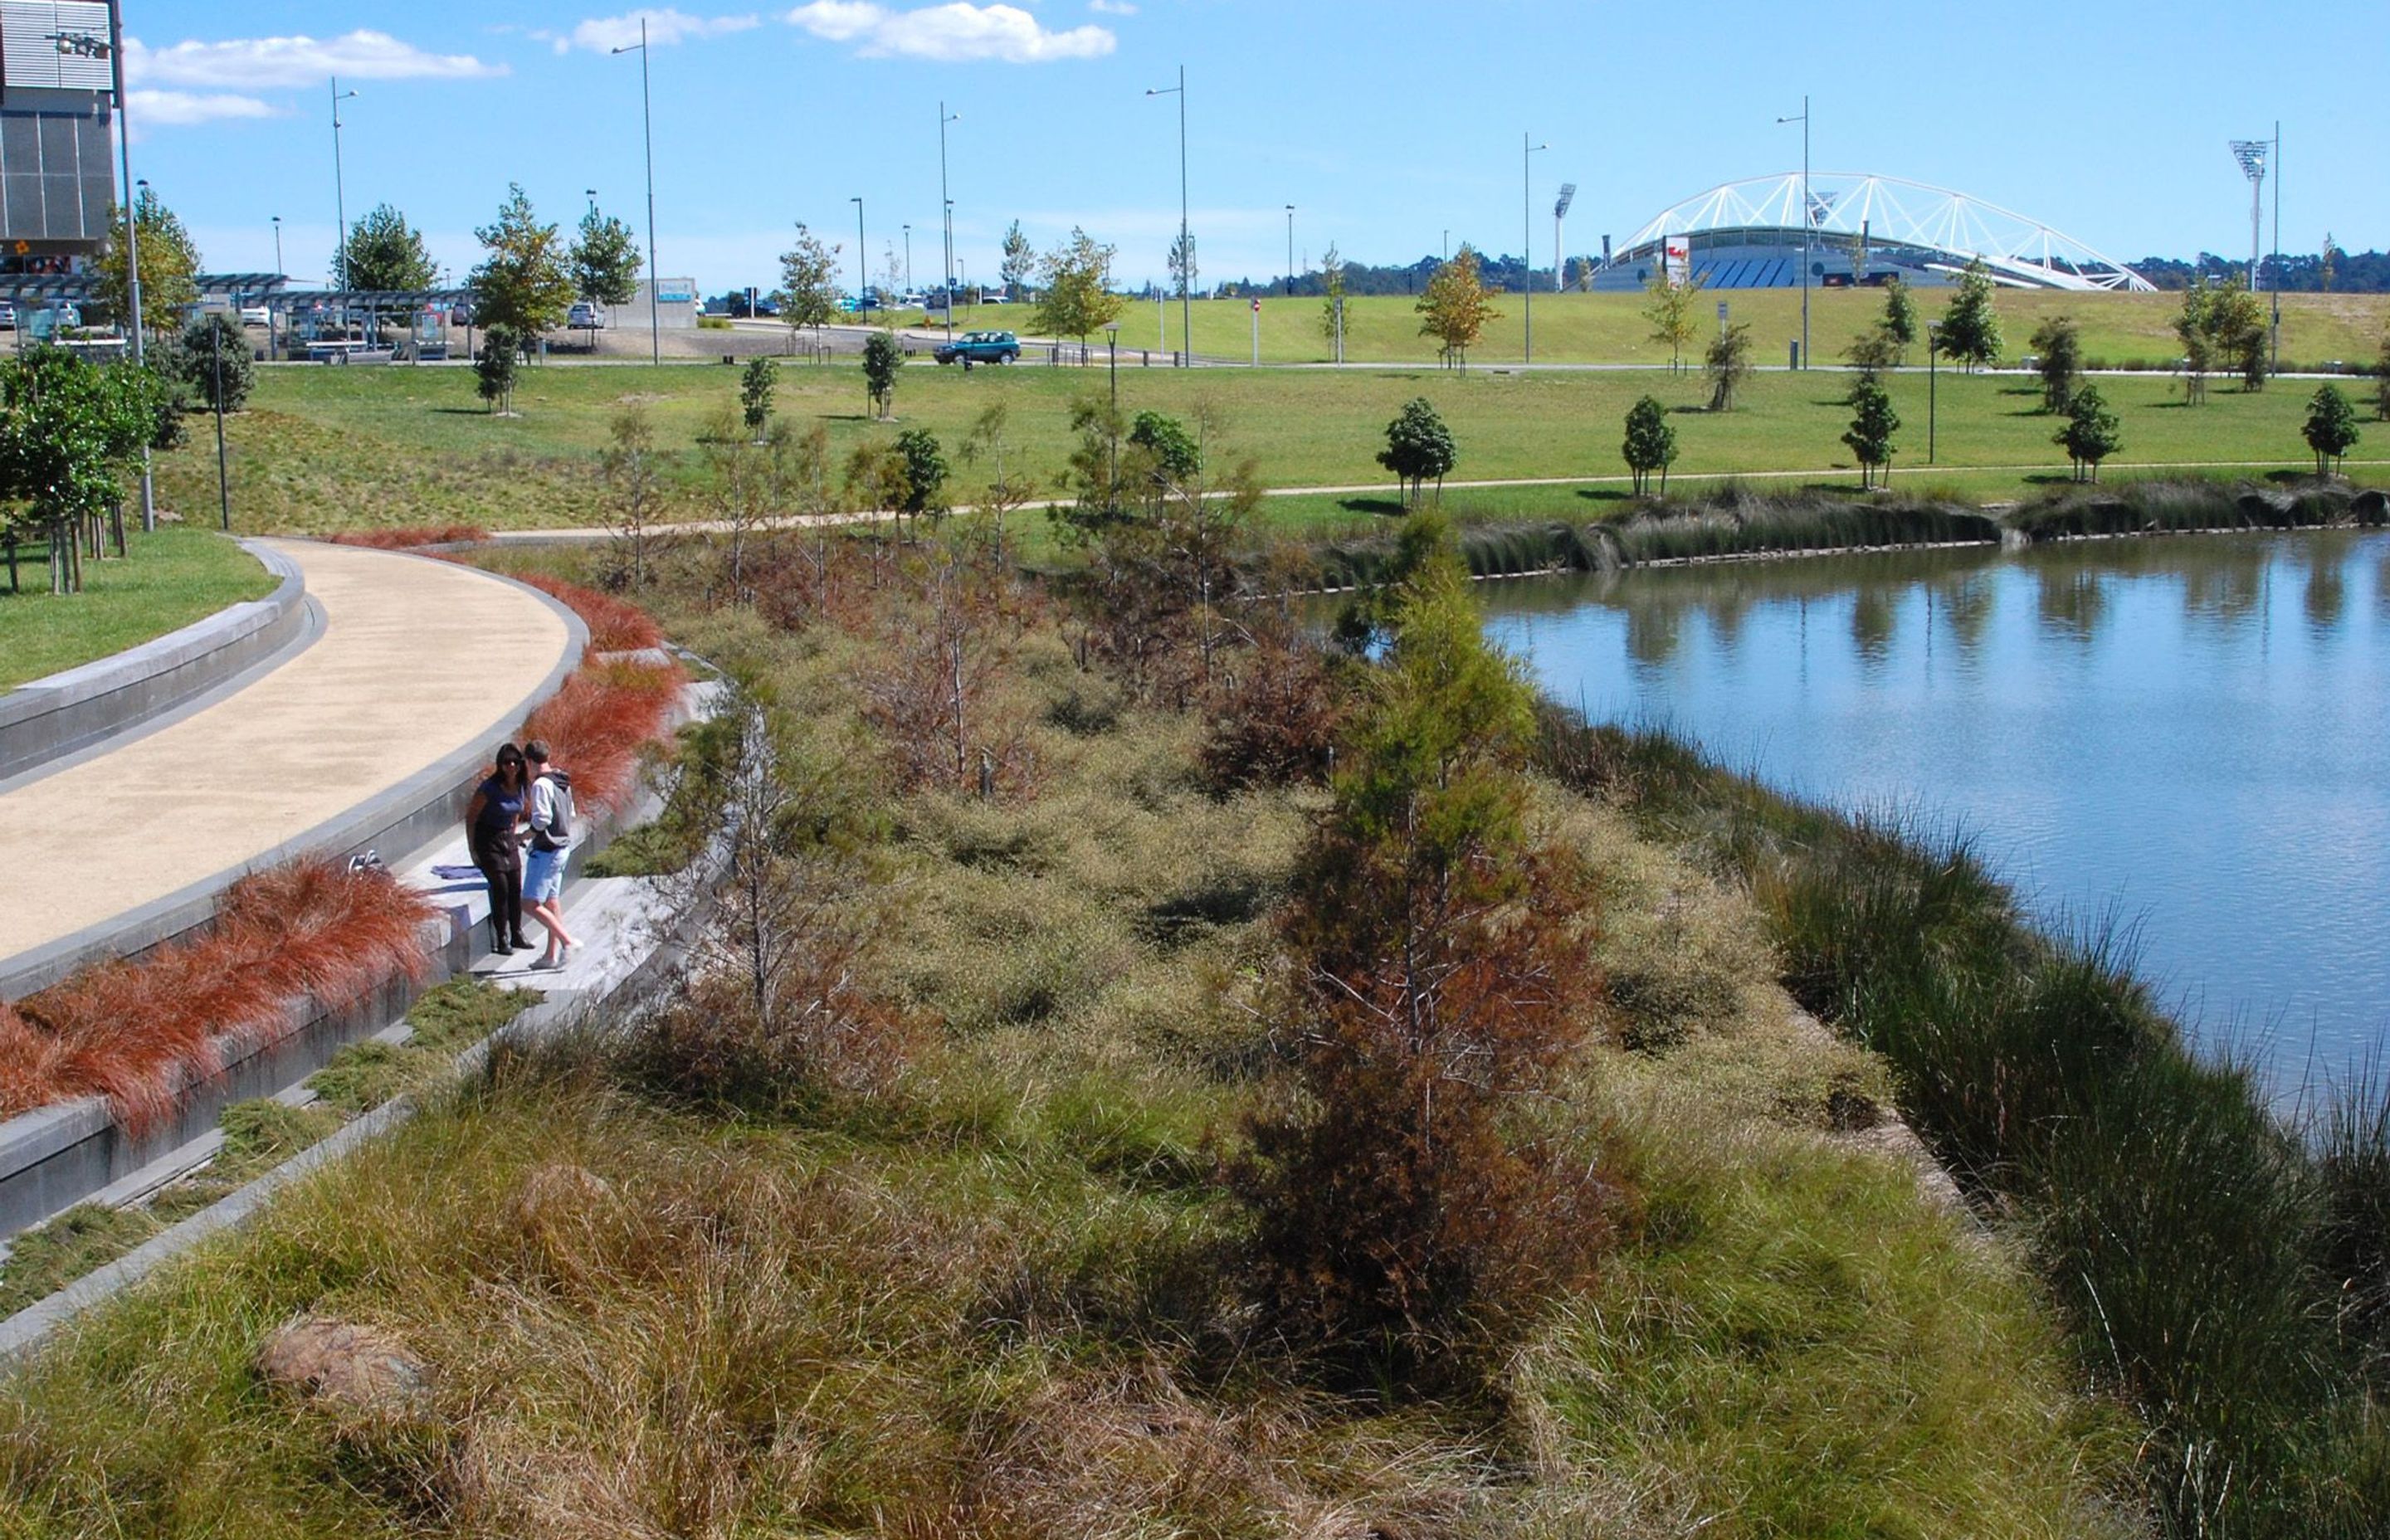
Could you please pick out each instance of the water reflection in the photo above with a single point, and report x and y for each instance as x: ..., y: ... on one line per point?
x: 2188, y: 729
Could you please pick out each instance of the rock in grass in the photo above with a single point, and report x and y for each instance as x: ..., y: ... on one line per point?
x: 345, y: 1366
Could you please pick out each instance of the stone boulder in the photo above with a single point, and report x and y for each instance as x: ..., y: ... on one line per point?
x: 360, y: 1370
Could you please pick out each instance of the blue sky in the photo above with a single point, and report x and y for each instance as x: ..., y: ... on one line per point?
x: 1384, y: 124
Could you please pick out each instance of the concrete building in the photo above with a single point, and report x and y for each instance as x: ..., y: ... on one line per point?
x: 58, y: 167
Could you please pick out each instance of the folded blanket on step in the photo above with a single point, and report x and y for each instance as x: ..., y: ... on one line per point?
x: 456, y: 874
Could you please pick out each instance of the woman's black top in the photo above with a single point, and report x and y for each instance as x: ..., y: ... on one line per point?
x: 492, y: 836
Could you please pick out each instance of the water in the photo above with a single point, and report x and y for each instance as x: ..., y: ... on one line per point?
x: 2188, y: 733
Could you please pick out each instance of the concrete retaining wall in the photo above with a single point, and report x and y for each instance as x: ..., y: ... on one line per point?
x: 53, y: 717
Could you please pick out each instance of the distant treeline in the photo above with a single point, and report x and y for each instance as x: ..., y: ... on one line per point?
x: 2352, y: 272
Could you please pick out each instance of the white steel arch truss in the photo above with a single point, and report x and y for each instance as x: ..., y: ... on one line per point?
x: 2018, y: 250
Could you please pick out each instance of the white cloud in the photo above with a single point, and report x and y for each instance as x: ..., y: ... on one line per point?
x: 1112, y: 8
x: 256, y: 63
x: 950, y: 33
x: 180, y: 109
x: 665, y: 27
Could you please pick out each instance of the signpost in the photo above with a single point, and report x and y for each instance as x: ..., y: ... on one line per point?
x: 1257, y: 332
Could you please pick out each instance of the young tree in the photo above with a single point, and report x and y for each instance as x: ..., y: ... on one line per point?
x: 2194, y: 326
x: 2058, y: 358
x: 924, y: 488
x: 1728, y: 363
x: 808, y: 281
x: 605, y: 260
x: 215, y: 355
x: 1651, y: 443
x: 384, y: 253
x: 2382, y: 381
x: 169, y: 265
x: 1182, y: 265
x: 1454, y: 310
x: 1970, y: 328
x: 1873, y: 352
x: 1078, y: 296
x: 755, y: 394
x: 2331, y: 427
x: 634, y: 495
x: 1899, y: 324
x: 1174, y: 454
x: 2091, y: 434
x: 494, y: 369
x: 69, y: 432
x: 1020, y: 262
x: 1418, y: 446
x: 521, y: 285
x: 1007, y: 491
x: 2236, y: 325
x: 881, y: 359
x: 1332, y: 273
x: 1671, y: 313
x: 1874, y: 423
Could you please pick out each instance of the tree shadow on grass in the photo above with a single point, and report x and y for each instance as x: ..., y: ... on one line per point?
x: 1606, y: 494
x: 1371, y: 504
x: 2053, y: 479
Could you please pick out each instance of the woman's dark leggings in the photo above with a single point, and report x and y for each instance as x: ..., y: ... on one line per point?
x: 506, y: 899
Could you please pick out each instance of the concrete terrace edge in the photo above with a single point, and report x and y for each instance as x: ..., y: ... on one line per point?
x: 399, y: 819
x: 54, y: 716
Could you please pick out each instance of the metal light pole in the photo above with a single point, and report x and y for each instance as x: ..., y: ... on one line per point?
x: 908, y: 258
x: 2274, y: 354
x: 340, y: 186
x: 1527, y: 235
x: 279, y: 269
x: 1932, y: 380
x: 862, y: 264
x: 224, y: 484
x: 84, y: 44
x: 948, y: 204
x: 1186, y: 244
x: 1809, y: 225
x: 1559, y: 255
x: 1289, y: 250
x: 1111, y: 340
x: 2250, y: 153
x: 647, y: 133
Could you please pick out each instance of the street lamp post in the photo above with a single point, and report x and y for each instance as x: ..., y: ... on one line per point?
x: 1808, y: 223
x: 908, y: 258
x: 1933, y: 378
x: 947, y: 203
x: 224, y: 483
x: 279, y: 268
x: 1289, y: 250
x: 112, y: 49
x: 1527, y: 235
x: 340, y: 187
x: 648, y: 136
x: 1186, y: 245
x: 862, y: 267
x: 1111, y: 340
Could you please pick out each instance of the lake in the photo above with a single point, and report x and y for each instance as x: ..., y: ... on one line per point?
x: 2185, y: 733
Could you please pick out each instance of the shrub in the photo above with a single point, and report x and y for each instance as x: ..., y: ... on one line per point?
x: 408, y: 536
x: 1274, y: 717
x: 214, y: 349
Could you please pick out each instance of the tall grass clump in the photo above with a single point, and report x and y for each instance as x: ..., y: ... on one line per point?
x: 2212, y: 1263
x: 2193, y: 506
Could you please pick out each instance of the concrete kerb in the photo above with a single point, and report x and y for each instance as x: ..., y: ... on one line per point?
x: 53, y: 717
x: 399, y: 819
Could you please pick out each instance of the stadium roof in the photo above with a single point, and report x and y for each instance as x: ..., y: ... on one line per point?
x: 1948, y: 225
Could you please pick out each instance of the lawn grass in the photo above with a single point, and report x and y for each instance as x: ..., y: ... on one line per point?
x: 1005, y: 1292
x: 324, y: 449
x: 172, y: 578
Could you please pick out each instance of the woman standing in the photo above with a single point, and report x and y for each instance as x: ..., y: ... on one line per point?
x: 490, y: 822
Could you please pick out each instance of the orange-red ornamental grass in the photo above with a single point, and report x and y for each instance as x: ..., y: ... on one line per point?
x: 407, y: 537
x: 596, y: 723
x: 614, y: 624
x: 134, y: 1032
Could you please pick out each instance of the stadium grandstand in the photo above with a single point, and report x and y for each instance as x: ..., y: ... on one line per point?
x: 1861, y: 229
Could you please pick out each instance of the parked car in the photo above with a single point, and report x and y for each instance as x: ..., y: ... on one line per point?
x: 461, y: 313
x: 256, y: 316
x: 979, y: 347
x: 8, y: 316
x: 584, y: 315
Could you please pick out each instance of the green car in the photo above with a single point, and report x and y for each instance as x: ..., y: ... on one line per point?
x: 980, y: 347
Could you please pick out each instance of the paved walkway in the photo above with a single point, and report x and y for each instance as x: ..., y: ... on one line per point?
x: 417, y: 658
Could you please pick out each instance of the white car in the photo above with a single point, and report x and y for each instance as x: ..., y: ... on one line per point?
x: 586, y: 316
x: 256, y: 316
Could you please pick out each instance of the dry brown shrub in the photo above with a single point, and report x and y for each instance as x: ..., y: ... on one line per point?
x: 936, y: 692
x: 1274, y: 713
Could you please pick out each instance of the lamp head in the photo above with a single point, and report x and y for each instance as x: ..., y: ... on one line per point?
x: 2250, y: 153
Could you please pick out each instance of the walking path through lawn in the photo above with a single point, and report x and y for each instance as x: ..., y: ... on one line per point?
x: 417, y: 658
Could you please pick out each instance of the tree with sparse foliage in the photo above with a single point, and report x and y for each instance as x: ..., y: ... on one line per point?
x: 1671, y: 312
x: 2236, y: 325
x: 1020, y: 262
x: 808, y: 293
x: 215, y: 357
x: 634, y: 496
x: 169, y: 265
x: 2331, y: 427
x: 1454, y: 310
x: 1728, y: 363
x: 1418, y: 446
x: 1873, y: 352
x: 384, y: 254
x: 1331, y: 306
x: 2058, y: 358
x: 2091, y: 434
x: 605, y: 260
x: 495, y: 368
x: 1182, y: 265
x: 2193, y: 328
x: 1899, y: 316
x: 2382, y: 381
x: 1970, y: 328
x: 1874, y: 423
x: 1077, y: 298
x: 1651, y: 443
x: 755, y: 394
x: 881, y: 359
x: 522, y: 284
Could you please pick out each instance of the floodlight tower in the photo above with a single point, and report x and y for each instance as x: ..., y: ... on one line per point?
x: 2250, y: 153
x: 1559, y: 252
x: 1527, y: 235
